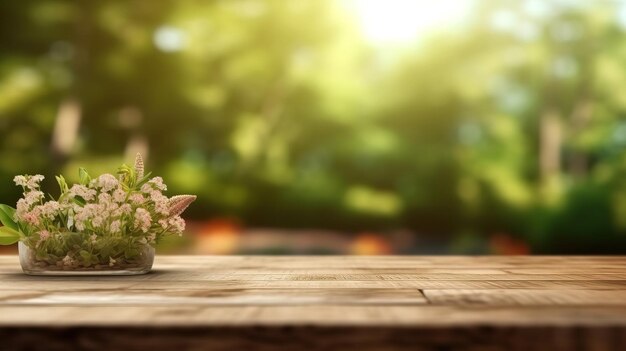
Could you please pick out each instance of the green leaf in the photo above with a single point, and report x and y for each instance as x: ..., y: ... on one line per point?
x: 143, y: 180
x: 62, y: 184
x: 8, y: 236
x: 128, y: 175
x: 85, y: 255
x: 79, y: 200
x: 6, y: 216
x: 73, y: 239
x: 84, y: 176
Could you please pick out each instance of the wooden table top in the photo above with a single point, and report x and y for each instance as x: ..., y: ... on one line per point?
x: 326, y: 302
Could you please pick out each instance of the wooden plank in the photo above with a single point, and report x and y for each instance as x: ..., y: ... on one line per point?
x: 320, y: 315
x: 379, y: 261
x: 314, y: 338
x: 325, y: 266
x: 326, y: 303
x: 566, y: 270
x: 221, y: 297
x: 374, y: 277
x: 524, y: 297
x: 199, y: 275
x: 131, y: 284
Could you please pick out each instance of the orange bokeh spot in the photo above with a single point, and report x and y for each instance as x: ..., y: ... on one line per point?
x: 370, y: 244
x: 505, y: 244
x: 219, y: 236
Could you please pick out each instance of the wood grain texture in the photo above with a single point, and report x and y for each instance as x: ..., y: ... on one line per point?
x: 325, y: 303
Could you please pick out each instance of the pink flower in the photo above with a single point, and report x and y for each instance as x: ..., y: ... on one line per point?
x: 43, y: 235
x: 162, y: 208
x: 179, y: 203
x: 20, y: 180
x: 97, y: 221
x: 157, y: 182
x: 30, y: 182
x: 177, y: 224
x: 21, y: 209
x: 80, y: 225
x: 115, y: 226
x: 146, y: 188
x: 67, y: 261
x: 31, y: 218
x: 142, y: 219
x: 104, y: 198
x: 137, y: 199
x: 122, y: 210
x: 107, y: 182
x: 119, y: 195
x: 82, y: 191
x: 49, y: 210
x: 32, y: 197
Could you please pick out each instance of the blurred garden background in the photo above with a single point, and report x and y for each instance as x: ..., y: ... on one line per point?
x: 334, y: 126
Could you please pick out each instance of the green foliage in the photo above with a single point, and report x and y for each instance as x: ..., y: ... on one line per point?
x: 7, y: 214
x: 283, y: 121
x: 99, y: 223
x: 62, y: 184
x: 8, y: 236
x: 84, y: 176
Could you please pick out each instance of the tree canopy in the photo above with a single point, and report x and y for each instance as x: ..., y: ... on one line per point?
x: 280, y: 113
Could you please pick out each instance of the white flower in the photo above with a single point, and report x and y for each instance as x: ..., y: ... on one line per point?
x: 142, y: 219
x: 97, y: 221
x: 115, y: 226
x: 33, y: 182
x: 177, y: 224
x: 112, y: 261
x: 146, y: 188
x: 119, y: 195
x: 50, y: 209
x: 137, y: 199
x: 122, y: 210
x: 67, y: 261
x: 30, y: 182
x: 82, y: 191
x: 80, y: 225
x: 93, y: 238
x: 43, y: 235
x: 91, y: 212
x: 104, y: 198
x: 20, y: 180
x: 107, y: 182
x: 28, y: 209
x: 157, y: 182
x: 161, y: 203
x: 32, y: 197
x: 163, y: 223
x: 31, y: 218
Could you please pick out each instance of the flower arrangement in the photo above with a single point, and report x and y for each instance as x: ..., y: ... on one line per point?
x: 103, y: 223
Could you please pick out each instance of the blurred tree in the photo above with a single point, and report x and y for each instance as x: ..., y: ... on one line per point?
x: 280, y: 114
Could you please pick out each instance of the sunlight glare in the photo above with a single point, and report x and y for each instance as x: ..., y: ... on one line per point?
x: 398, y: 22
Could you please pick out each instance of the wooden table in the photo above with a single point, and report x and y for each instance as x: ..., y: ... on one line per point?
x: 324, y: 303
